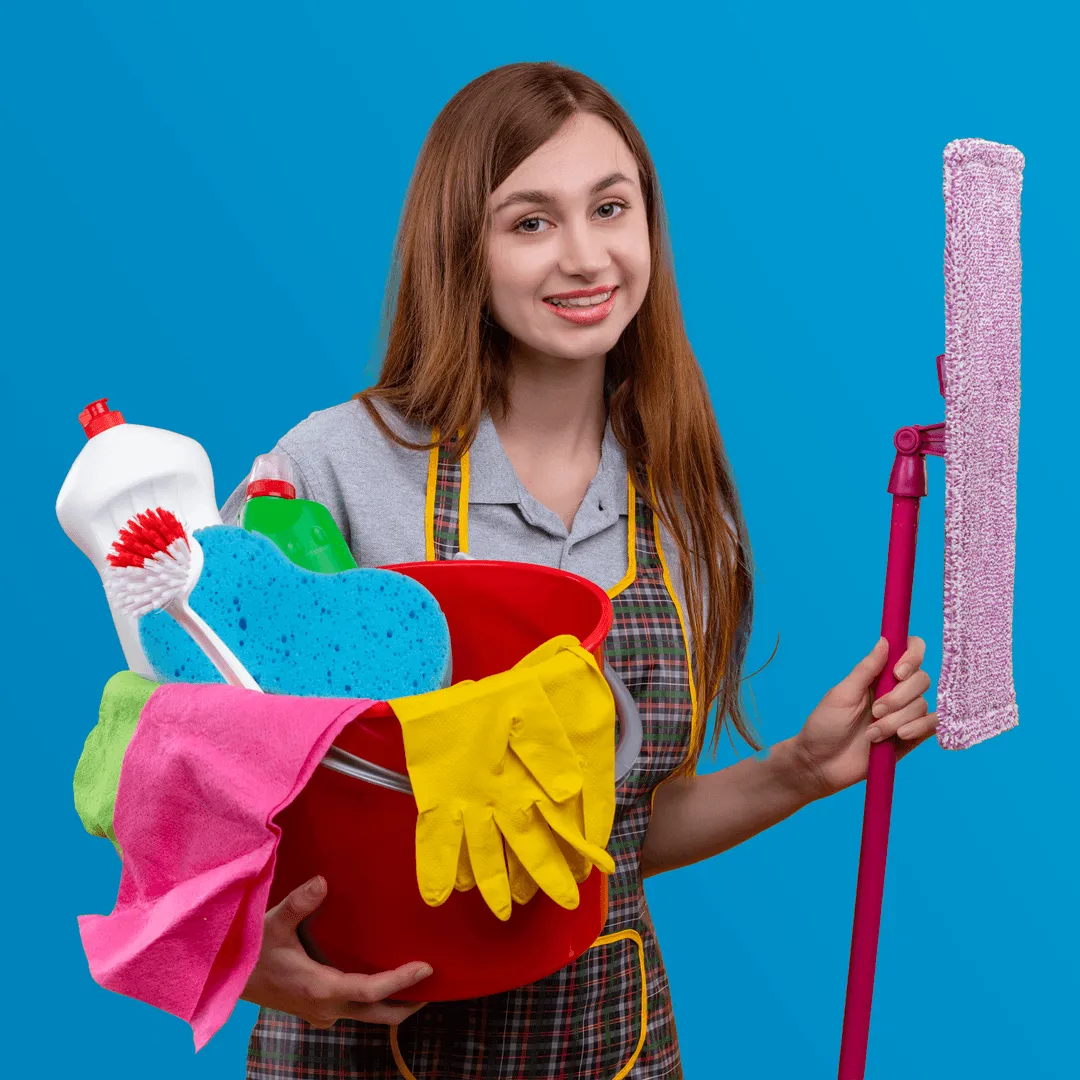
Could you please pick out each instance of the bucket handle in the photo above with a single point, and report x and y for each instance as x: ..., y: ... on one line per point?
x: 629, y: 748
x: 626, y: 754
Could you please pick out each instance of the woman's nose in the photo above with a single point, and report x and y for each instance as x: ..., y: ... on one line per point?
x: 584, y: 251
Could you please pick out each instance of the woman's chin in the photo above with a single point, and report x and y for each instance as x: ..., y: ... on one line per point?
x: 582, y: 343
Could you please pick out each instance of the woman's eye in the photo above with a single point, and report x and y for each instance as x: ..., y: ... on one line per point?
x: 612, y: 206
x: 530, y: 221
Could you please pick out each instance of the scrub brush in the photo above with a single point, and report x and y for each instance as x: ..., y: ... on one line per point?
x: 155, y: 565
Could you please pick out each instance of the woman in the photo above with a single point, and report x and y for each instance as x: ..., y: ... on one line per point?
x: 534, y: 315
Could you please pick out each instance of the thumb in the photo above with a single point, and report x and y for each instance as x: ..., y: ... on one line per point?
x: 298, y: 905
x: 866, y: 671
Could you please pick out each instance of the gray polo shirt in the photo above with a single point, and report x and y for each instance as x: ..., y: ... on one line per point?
x: 376, y: 491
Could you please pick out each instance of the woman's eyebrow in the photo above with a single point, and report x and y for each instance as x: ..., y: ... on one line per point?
x: 532, y: 195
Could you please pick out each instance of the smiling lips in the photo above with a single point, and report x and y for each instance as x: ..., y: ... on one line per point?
x: 585, y: 307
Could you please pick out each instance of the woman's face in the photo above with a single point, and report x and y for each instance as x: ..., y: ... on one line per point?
x: 570, y: 219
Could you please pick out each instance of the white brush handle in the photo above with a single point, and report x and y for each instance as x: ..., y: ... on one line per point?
x: 214, y: 649
x: 217, y: 652
x: 235, y: 674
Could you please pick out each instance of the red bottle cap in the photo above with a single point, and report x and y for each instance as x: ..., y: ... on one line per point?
x: 98, y: 417
x: 281, y: 488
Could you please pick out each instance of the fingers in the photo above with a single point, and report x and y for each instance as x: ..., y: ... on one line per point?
x: 891, y: 725
x: 297, y: 906
x: 539, y: 856
x: 487, y: 857
x: 522, y: 886
x: 579, y: 865
x: 571, y: 833
x: 902, y: 694
x: 381, y: 1014
x: 366, y: 990
x: 915, y: 734
x: 540, y: 741
x: 920, y: 728
x: 438, y: 848
x: 853, y: 688
x: 911, y: 659
x: 334, y: 996
x: 287, y: 979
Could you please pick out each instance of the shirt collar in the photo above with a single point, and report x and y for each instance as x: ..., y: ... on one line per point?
x: 492, y: 478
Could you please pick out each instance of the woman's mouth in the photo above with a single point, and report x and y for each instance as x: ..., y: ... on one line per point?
x: 584, y: 310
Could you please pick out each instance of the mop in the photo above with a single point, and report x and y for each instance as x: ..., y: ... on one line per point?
x: 979, y: 377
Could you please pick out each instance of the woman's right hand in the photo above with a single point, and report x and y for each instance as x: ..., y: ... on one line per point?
x: 287, y: 979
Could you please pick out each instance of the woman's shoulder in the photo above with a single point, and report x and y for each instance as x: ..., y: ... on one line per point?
x: 346, y: 429
x: 342, y: 458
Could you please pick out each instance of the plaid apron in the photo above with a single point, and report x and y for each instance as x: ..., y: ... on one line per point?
x: 607, y: 1015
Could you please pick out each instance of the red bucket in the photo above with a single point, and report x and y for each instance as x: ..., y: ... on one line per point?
x: 362, y: 837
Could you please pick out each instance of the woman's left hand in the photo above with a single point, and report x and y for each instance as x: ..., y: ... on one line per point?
x: 833, y: 747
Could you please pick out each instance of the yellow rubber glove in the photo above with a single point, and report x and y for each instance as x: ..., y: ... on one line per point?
x: 480, y: 755
x: 475, y: 775
x: 580, y: 695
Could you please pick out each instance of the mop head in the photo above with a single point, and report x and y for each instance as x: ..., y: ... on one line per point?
x: 981, y: 384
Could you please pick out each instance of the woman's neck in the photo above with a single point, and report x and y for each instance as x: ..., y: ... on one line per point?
x: 556, y: 407
x: 554, y: 428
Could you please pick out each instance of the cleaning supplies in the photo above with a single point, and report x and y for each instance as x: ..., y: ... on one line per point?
x: 304, y: 530
x: 979, y: 376
x: 122, y: 471
x: 206, y: 773
x: 459, y: 743
x: 97, y: 774
x: 370, y: 633
x: 586, y: 699
x: 506, y: 758
x: 154, y: 566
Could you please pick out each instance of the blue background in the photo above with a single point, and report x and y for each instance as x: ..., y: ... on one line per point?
x: 198, y: 204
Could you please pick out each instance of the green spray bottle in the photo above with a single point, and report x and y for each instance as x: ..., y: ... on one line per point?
x: 304, y: 530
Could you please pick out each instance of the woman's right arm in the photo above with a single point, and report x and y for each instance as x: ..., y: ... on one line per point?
x: 287, y: 979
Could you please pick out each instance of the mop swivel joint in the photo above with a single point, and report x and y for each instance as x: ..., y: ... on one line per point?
x: 912, y: 444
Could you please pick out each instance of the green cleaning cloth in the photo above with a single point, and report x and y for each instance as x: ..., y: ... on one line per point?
x: 97, y: 776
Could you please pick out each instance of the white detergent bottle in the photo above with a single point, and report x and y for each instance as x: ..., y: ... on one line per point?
x: 126, y: 469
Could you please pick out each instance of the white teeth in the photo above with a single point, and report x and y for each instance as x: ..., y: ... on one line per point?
x: 583, y: 301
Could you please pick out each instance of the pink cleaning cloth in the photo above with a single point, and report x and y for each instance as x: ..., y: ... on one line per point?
x: 207, y: 770
x: 981, y: 383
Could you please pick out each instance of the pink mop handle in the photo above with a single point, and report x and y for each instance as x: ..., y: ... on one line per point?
x: 899, y: 578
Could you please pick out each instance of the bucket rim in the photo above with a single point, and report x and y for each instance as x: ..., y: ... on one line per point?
x: 591, y: 642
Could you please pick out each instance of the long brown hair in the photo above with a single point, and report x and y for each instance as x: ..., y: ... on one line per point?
x: 445, y: 360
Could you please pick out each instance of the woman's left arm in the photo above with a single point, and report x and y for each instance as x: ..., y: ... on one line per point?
x: 697, y: 817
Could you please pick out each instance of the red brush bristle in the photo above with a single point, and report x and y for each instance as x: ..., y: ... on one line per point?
x: 147, y: 534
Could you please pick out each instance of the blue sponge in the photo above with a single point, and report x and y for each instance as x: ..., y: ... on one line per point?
x: 359, y: 633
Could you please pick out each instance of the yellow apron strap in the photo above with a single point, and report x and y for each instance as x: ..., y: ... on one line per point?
x: 631, y: 541
x: 429, y: 500
x: 434, y: 460
x: 463, y: 506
